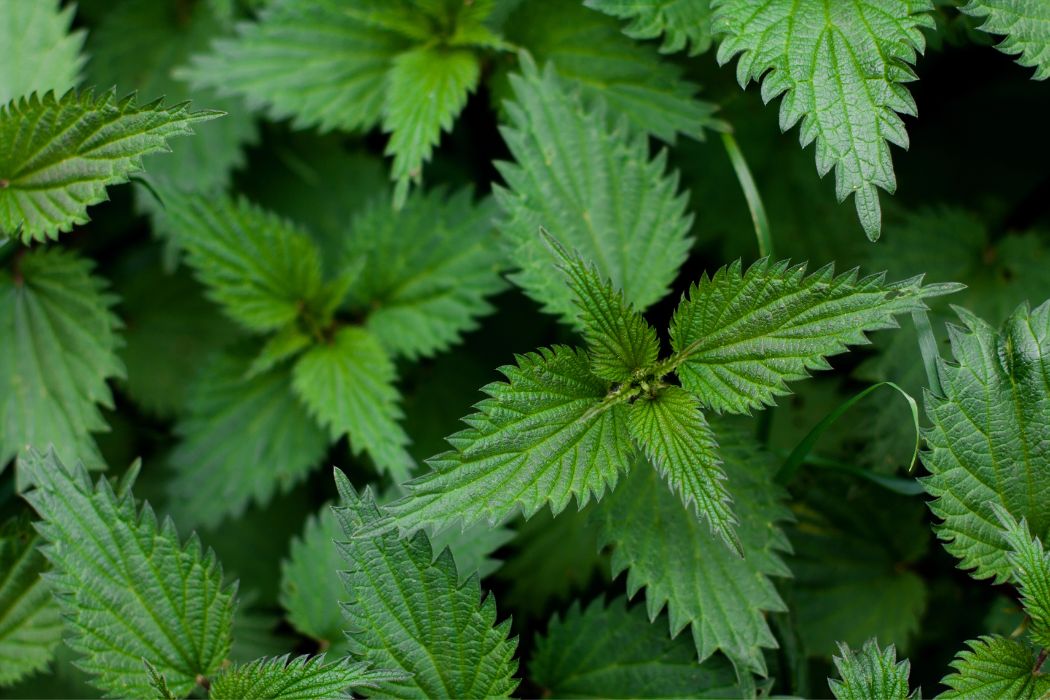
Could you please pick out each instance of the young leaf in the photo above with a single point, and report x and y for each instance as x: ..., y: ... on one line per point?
x: 684, y: 566
x: 347, y: 384
x: 427, y: 269
x: 36, y: 35
x: 595, y: 188
x: 128, y: 588
x: 58, y: 343
x: 841, y: 71
x: 994, y: 668
x: 597, y: 60
x: 870, y: 674
x: 619, y: 340
x: 740, y: 336
x: 299, y: 678
x: 681, y: 446
x: 1031, y: 565
x: 990, y: 436
x: 30, y: 624
x: 261, y: 269
x: 546, y: 435
x: 242, y: 441
x: 79, y: 145
x: 407, y: 611
x: 617, y: 652
x: 1025, y: 27
x: 311, y: 585
x: 680, y: 22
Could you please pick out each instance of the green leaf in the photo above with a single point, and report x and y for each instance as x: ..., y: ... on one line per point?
x: 158, y: 683
x: 30, y: 624
x: 1031, y: 571
x: 301, y: 678
x: 619, y: 340
x: 311, y: 586
x: 427, y: 269
x: 595, y: 188
x: 681, y: 446
x: 473, y: 548
x: 44, y: 54
x: 680, y: 22
x: 991, y: 437
x: 544, y: 436
x: 241, y: 441
x: 426, y: 90
x: 80, y: 145
x: 740, y: 336
x: 58, y: 343
x: 597, y: 60
x: 263, y: 270
x: 684, y: 566
x: 347, y: 384
x: 128, y: 588
x: 995, y: 668
x: 872, y: 673
x: 408, y: 612
x: 1025, y: 27
x: 841, y: 70
x: 616, y: 652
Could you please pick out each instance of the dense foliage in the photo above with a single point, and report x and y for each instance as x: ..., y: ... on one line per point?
x: 736, y: 435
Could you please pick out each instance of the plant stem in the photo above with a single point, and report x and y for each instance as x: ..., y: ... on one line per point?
x: 754, y: 199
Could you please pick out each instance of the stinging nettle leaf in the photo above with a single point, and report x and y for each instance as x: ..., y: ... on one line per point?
x: 44, y: 54
x: 1031, y: 571
x: 679, y: 22
x: 546, y: 435
x: 59, y: 154
x: 408, y: 612
x: 311, y: 586
x: 990, y: 437
x: 740, y: 336
x: 870, y: 673
x: 994, y: 668
x: 58, y: 346
x: 595, y: 187
x: 129, y: 589
x: 840, y: 68
x: 1024, y: 26
x: 299, y: 678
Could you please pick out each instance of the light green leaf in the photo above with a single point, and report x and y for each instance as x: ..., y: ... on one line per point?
x: 407, y: 611
x: 301, y: 678
x: 995, y: 668
x: 426, y: 90
x: 427, y: 269
x: 241, y: 441
x: 30, y: 623
x: 1025, y: 26
x: 594, y: 188
x: 595, y: 58
x: 128, y: 588
x: 311, y: 586
x: 616, y: 652
x: 682, y: 565
x: 619, y: 340
x: 544, y: 436
x: 1031, y: 571
x: 991, y: 437
x: 840, y: 68
x: 58, y: 343
x: 681, y: 446
x: 347, y: 384
x: 740, y: 336
x: 261, y: 269
x: 78, y: 145
x: 680, y: 22
x: 872, y: 673
x: 41, y: 54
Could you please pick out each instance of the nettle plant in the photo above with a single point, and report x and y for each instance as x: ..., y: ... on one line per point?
x: 270, y: 298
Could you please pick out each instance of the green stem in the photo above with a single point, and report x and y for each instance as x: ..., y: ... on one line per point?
x: 754, y: 200
x: 928, y: 348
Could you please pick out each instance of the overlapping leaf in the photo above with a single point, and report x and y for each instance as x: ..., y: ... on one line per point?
x: 995, y: 668
x: 595, y: 188
x: 873, y: 672
x: 679, y: 22
x: 300, y: 678
x: 1031, y: 564
x: 841, y: 69
x: 1025, y: 26
x: 128, y: 587
x: 408, y: 612
x: 990, y: 440
x: 42, y: 54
